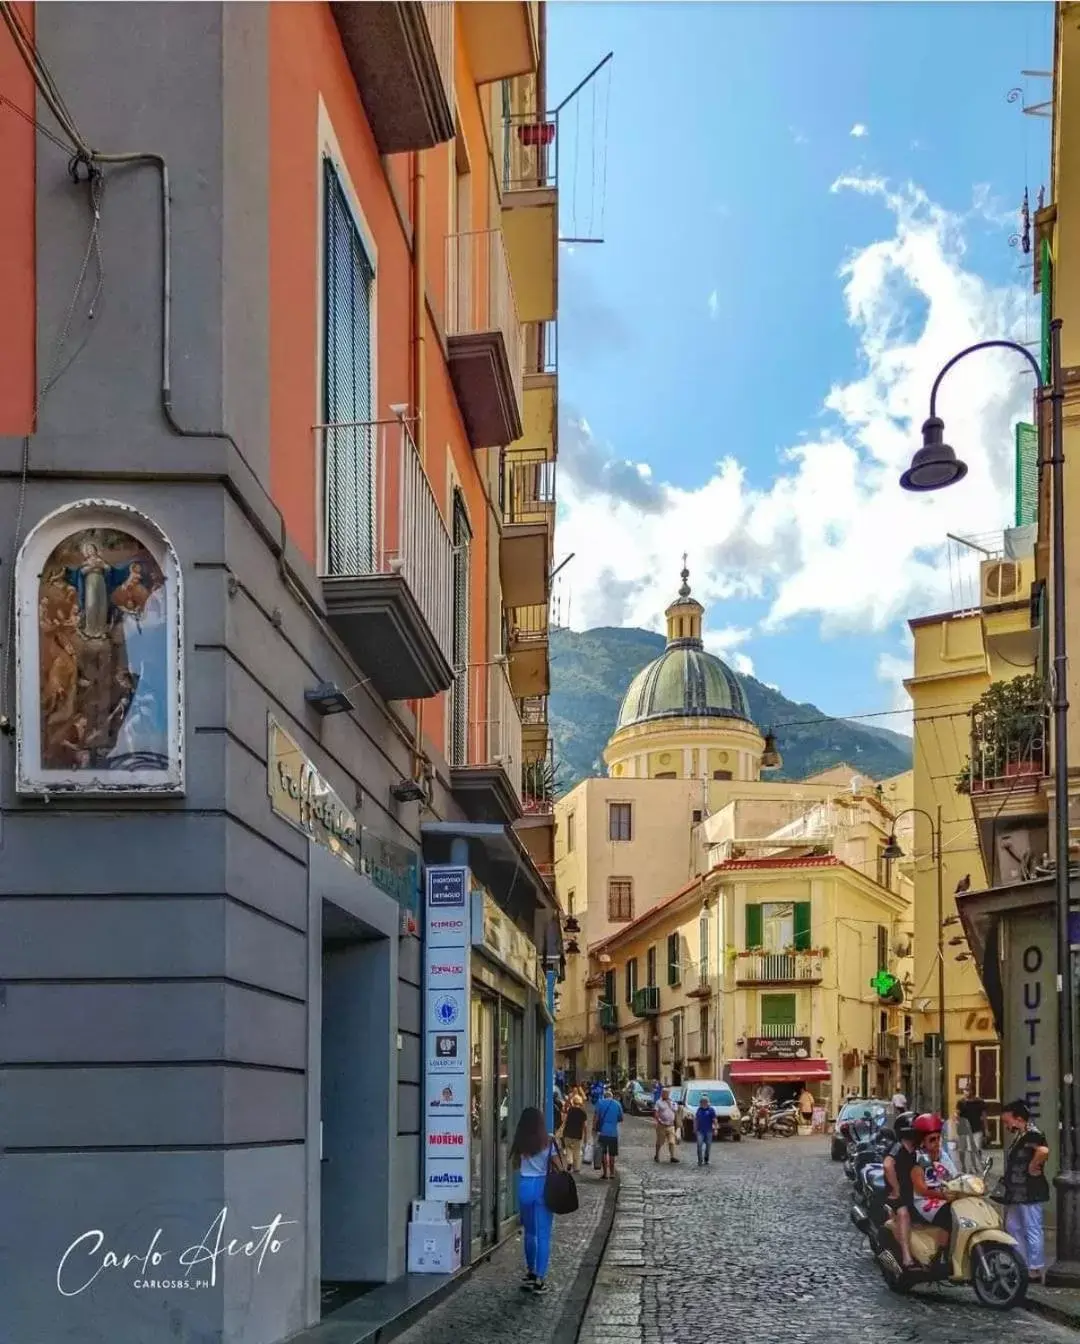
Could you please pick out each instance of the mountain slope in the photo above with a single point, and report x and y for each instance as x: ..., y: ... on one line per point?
x: 591, y: 669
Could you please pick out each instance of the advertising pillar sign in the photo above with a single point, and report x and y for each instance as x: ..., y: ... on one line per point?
x: 447, y: 941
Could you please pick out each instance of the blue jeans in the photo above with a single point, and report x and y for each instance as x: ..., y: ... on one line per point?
x: 1025, y: 1223
x: 704, y: 1146
x: 536, y: 1219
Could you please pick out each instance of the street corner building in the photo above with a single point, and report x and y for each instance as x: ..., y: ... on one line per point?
x: 278, y: 397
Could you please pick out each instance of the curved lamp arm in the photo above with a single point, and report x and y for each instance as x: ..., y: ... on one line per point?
x: 984, y: 345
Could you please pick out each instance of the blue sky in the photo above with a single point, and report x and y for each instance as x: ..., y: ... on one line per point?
x: 700, y: 342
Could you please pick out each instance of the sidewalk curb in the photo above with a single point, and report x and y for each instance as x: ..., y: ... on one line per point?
x: 577, y: 1299
x: 1051, y: 1313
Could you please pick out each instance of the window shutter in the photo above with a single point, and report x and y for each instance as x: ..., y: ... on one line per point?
x: 610, y: 993
x: 650, y: 967
x: 629, y: 982
x: 802, y: 926
x: 882, y: 948
x: 753, y: 926
x: 673, y: 959
x: 778, y: 1010
x: 349, y: 453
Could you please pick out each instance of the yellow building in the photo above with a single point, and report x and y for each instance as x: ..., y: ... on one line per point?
x: 684, y: 797
x: 992, y: 806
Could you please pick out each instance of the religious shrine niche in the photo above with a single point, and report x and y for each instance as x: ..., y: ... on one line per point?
x: 100, y: 669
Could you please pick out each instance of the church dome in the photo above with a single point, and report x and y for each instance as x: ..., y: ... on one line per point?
x: 685, y: 681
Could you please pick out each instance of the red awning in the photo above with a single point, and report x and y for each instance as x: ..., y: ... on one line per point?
x: 779, y: 1070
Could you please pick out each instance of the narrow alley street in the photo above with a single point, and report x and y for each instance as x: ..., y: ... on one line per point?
x: 758, y: 1248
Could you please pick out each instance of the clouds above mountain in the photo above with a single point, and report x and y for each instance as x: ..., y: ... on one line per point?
x: 832, y: 537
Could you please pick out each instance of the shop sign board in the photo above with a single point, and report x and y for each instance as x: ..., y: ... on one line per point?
x: 447, y: 943
x: 303, y: 798
x: 790, y: 1047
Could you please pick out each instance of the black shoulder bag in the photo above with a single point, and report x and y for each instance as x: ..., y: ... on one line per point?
x: 560, y: 1191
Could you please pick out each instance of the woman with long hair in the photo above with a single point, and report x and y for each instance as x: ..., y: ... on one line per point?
x: 533, y: 1150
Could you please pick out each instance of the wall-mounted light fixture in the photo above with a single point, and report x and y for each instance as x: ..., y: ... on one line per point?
x: 328, y: 698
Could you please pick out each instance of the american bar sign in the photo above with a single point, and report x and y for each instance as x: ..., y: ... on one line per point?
x: 447, y: 940
x: 790, y: 1047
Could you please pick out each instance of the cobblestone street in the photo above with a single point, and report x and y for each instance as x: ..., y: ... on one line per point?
x: 759, y: 1248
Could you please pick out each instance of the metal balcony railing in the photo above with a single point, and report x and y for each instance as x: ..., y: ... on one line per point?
x: 527, y: 625
x: 887, y: 1045
x: 483, y: 705
x: 380, y: 515
x: 439, y: 16
x: 538, y: 782
x: 528, y: 488
x: 530, y: 151
x: 697, y: 981
x: 697, y: 1045
x: 646, y: 1001
x: 608, y: 1014
x: 480, y: 294
x: 776, y: 1031
x: 1010, y: 752
x: 541, y: 347
x: 533, y: 710
x: 777, y: 967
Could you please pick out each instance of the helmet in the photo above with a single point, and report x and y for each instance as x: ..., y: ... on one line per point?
x: 904, y: 1124
x: 927, y: 1124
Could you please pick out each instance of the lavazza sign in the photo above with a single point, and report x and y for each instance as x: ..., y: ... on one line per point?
x: 446, y: 1031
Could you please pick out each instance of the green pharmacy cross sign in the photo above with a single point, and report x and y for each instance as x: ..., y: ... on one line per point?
x: 887, y: 987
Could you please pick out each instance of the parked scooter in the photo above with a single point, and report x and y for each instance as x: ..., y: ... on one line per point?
x: 979, y: 1252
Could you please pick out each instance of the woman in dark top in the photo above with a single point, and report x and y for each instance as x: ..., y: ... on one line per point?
x: 1026, y: 1186
x: 575, y: 1120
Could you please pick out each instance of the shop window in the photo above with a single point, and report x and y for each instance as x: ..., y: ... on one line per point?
x: 630, y: 973
x: 100, y: 682
x: 620, y: 900
x: 650, y: 967
x: 619, y: 821
x: 777, y: 926
x: 674, y: 970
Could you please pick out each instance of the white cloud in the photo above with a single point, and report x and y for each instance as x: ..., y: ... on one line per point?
x: 892, y: 669
x: 832, y: 536
x: 800, y: 137
x: 713, y: 305
x: 860, y: 130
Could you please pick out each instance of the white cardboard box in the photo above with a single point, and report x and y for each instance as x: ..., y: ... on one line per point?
x: 435, y: 1248
x: 428, y: 1211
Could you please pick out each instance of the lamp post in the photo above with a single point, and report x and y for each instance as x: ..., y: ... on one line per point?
x: 892, y: 851
x: 933, y: 467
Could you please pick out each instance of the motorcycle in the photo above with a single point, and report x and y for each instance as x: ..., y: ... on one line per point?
x: 979, y: 1252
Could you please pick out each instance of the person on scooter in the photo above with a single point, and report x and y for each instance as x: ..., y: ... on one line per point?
x: 931, y: 1199
x: 900, y: 1164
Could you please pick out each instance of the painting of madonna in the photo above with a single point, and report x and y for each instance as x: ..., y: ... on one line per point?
x: 103, y: 641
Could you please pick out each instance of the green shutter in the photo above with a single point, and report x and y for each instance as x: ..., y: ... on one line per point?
x: 802, y: 926
x: 673, y: 959
x: 1046, y: 285
x: 1027, y: 474
x: 753, y: 926
x: 778, y: 1010
x: 610, y: 993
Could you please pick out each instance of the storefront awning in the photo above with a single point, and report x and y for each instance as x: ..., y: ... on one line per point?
x: 779, y: 1070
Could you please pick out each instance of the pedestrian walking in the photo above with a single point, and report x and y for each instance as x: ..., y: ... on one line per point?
x: 575, y: 1122
x: 960, y: 1143
x: 664, y: 1116
x: 973, y: 1109
x: 704, y: 1128
x: 899, y: 1102
x: 1026, y: 1188
x: 533, y: 1151
x: 607, y: 1118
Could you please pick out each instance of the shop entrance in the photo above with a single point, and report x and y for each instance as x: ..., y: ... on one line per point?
x: 358, y: 994
x: 496, y: 1101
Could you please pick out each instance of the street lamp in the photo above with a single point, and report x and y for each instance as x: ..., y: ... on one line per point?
x: 934, y: 466
x: 892, y: 851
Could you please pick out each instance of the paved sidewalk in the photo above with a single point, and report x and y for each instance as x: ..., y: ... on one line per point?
x: 1055, y: 1304
x: 490, y: 1308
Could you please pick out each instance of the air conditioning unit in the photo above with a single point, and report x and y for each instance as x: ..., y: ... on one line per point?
x: 999, y: 581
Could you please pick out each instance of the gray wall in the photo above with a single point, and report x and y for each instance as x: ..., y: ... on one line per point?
x: 156, y: 1041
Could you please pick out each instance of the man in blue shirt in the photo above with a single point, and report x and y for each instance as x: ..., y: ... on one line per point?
x: 606, y: 1121
x: 704, y: 1127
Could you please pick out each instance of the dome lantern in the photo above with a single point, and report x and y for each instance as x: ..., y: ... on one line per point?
x: 684, y: 616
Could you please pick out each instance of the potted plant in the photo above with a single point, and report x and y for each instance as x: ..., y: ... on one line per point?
x: 538, y: 785
x: 1008, y: 724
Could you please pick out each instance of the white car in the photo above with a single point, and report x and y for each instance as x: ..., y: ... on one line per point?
x: 722, y: 1100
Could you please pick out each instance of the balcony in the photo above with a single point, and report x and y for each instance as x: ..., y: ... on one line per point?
x: 388, y: 577
x: 533, y: 712
x: 530, y: 216
x: 775, y: 1031
x: 608, y: 1014
x: 537, y: 827
x: 697, y: 1045
x: 502, y: 37
x: 887, y: 1045
x: 485, y: 340
x: 646, y: 1001
x: 402, y: 60
x: 778, y: 968
x: 528, y: 497
x: 485, y: 745
x: 527, y: 646
x: 696, y: 982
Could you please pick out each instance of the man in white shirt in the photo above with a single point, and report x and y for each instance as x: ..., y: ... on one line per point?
x: 664, y: 1115
x: 899, y: 1101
